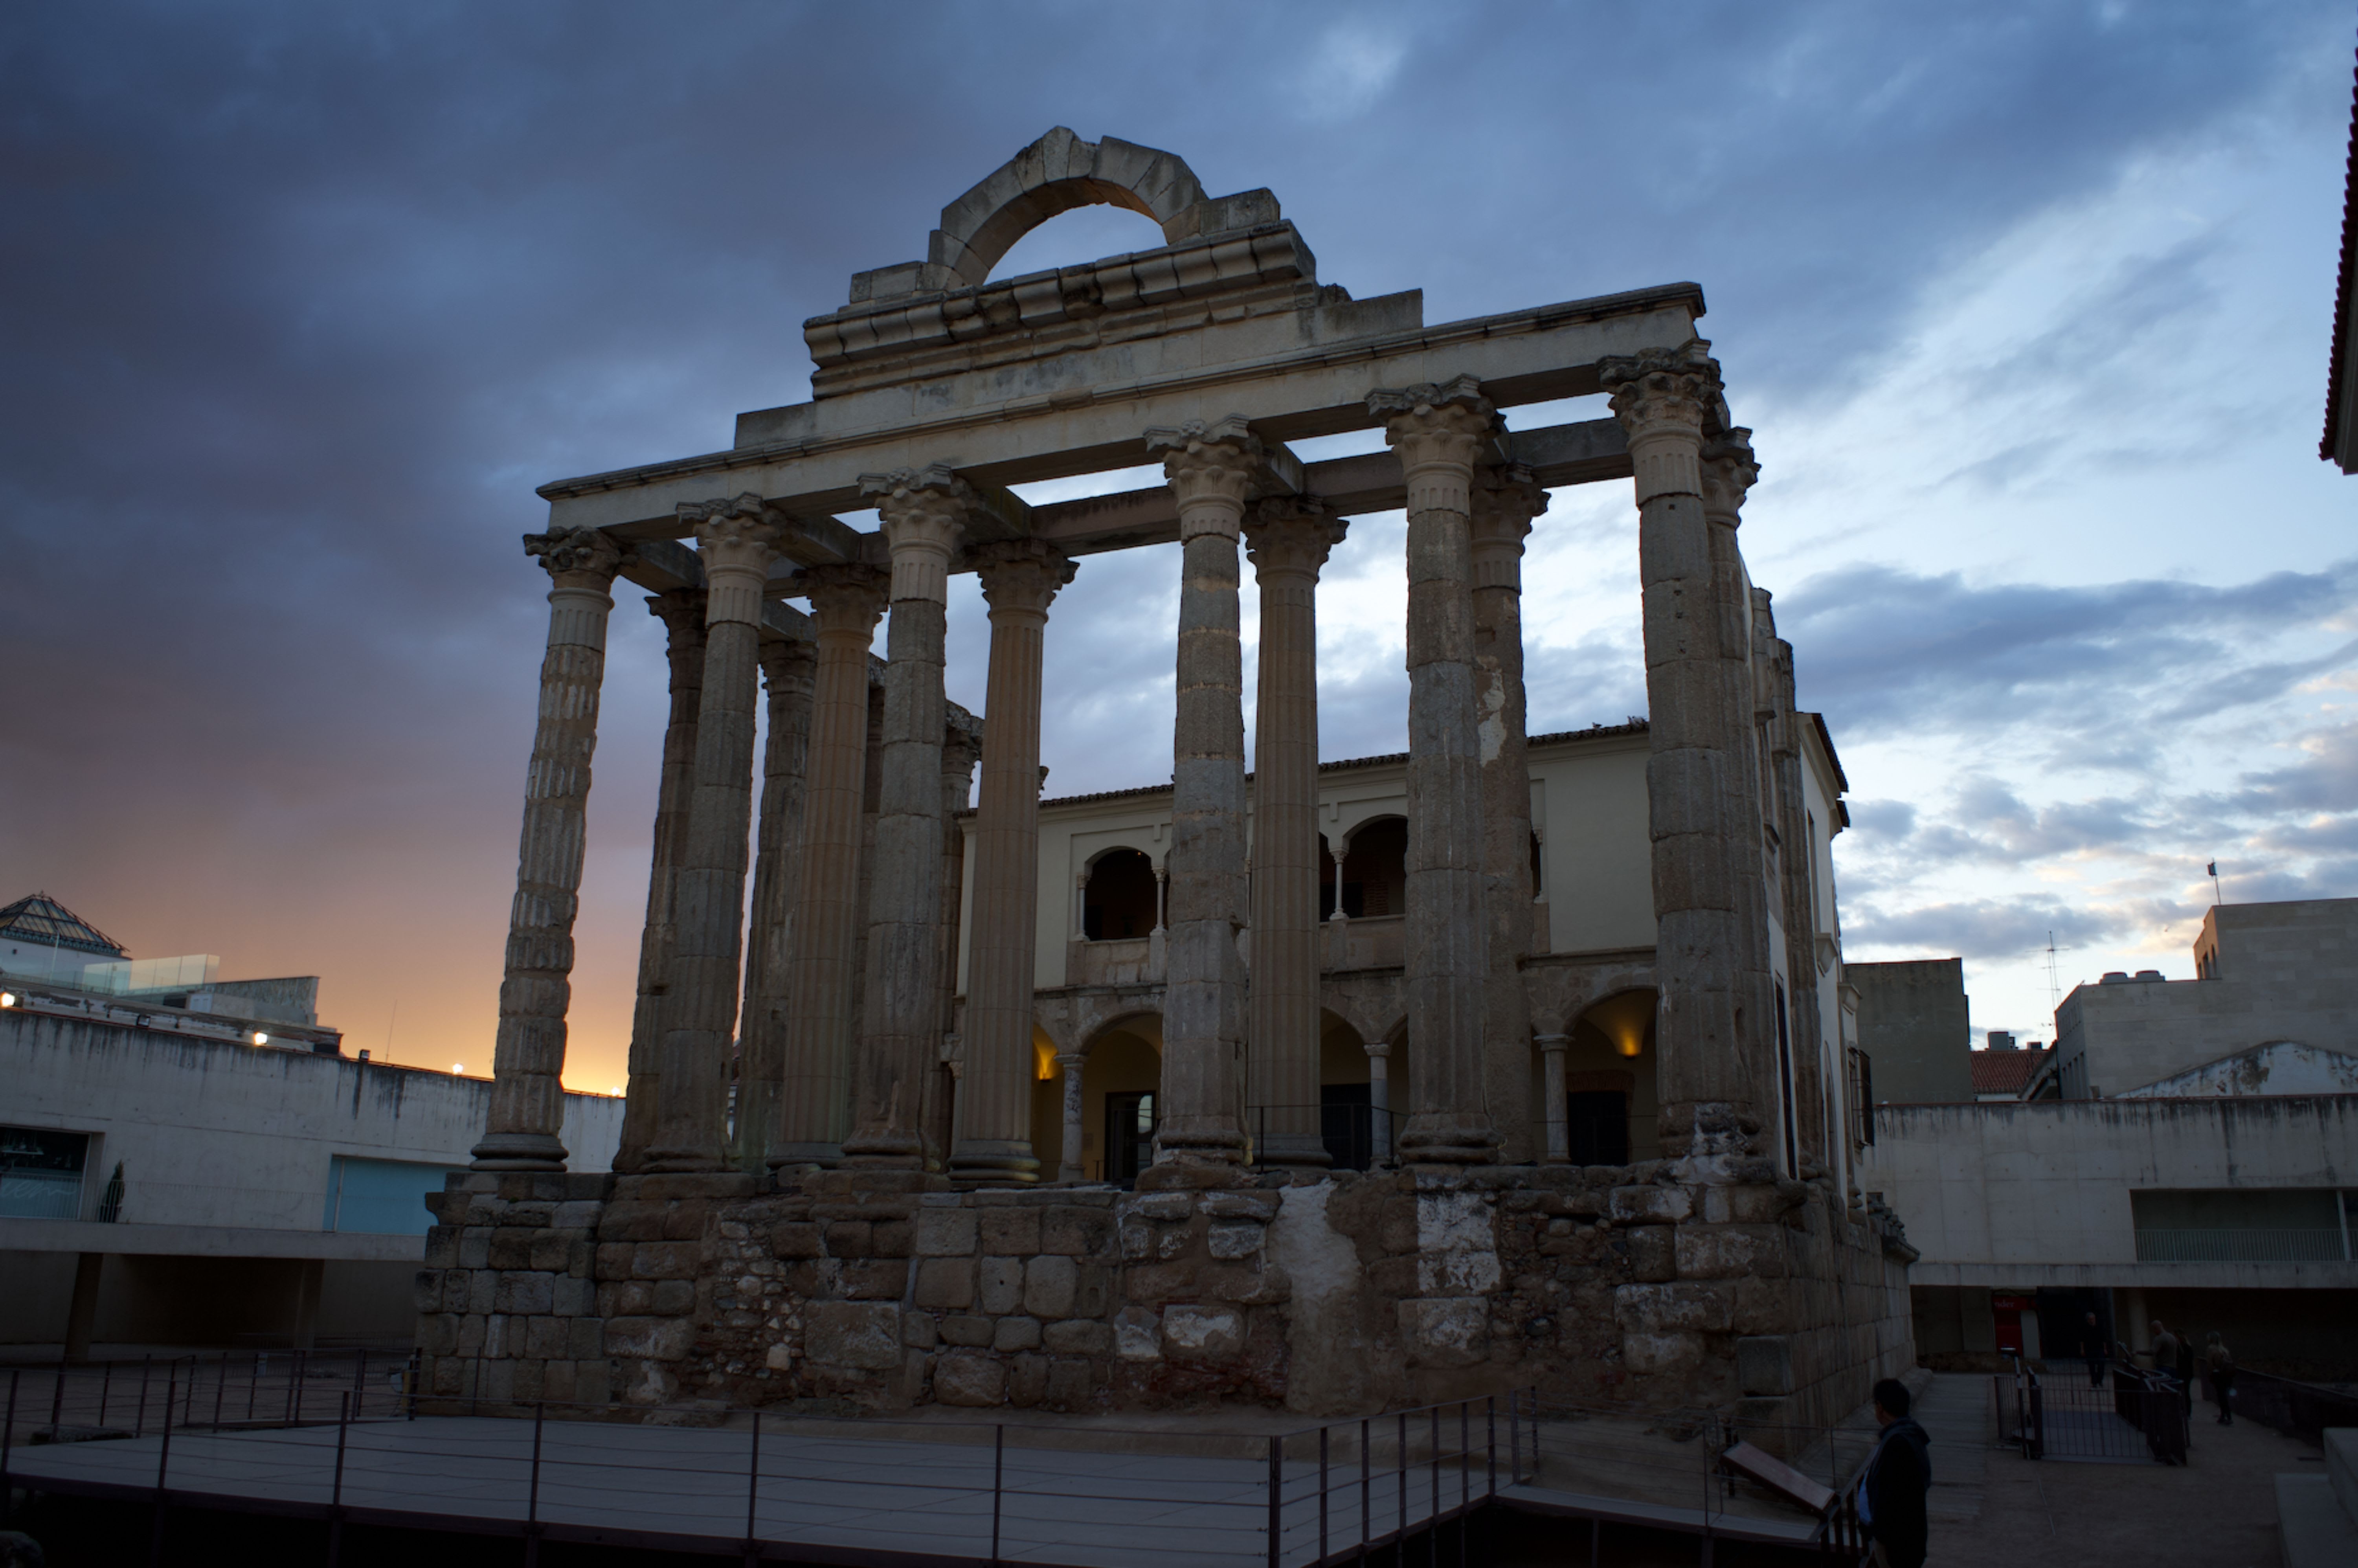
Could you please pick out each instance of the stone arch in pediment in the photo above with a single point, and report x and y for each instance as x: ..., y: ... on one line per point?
x: 1056, y: 174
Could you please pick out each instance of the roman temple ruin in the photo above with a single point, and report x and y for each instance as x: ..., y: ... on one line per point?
x: 1508, y: 1062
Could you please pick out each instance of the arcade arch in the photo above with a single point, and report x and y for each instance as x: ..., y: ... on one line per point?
x: 1121, y: 899
x: 1610, y: 1107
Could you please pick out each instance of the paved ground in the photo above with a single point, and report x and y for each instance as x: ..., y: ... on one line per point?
x: 1993, y: 1505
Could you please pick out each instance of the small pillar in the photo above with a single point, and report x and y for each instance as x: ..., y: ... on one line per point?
x: 527, y: 1110
x: 1439, y: 432
x: 923, y: 514
x: 1559, y: 1111
x: 81, y: 1311
x: 1069, y: 1167
x: 681, y: 611
x: 1380, y: 1102
x: 1211, y: 469
x: 788, y: 667
x: 961, y: 749
x: 736, y: 541
x: 310, y: 1283
x: 1020, y: 581
x: 1289, y: 540
x: 814, y: 1104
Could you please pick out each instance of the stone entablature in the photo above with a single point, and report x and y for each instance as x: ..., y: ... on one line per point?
x: 1346, y: 1294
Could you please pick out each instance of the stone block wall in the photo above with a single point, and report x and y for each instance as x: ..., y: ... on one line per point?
x: 1634, y: 1285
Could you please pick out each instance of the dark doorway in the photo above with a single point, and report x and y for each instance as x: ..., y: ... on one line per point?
x: 1597, y: 1126
x: 1118, y: 901
x: 1374, y: 873
x: 1343, y: 1112
x: 1129, y: 1135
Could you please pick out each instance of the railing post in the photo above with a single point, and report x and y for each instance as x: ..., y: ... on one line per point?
x: 139, y: 1423
x: 163, y: 1459
x: 336, y: 1494
x: 532, y: 1496
x: 57, y: 1400
x: 1367, y: 1503
x: 1399, y: 1536
x: 1322, y: 1494
x: 106, y: 1386
x: 1276, y: 1499
x: 998, y: 1478
x: 220, y: 1388
x: 7, y: 1440
x: 359, y: 1383
x: 754, y: 1497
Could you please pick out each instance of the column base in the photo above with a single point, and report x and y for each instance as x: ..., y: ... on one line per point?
x: 793, y: 1155
x: 884, y: 1151
x: 682, y: 1161
x: 1449, y: 1137
x: 519, y: 1151
x: 994, y: 1162
x: 1293, y: 1150
x: 1190, y: 1172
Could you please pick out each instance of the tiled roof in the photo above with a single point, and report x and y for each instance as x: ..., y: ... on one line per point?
x: 2006, y: 1072
x: 41, y: 920
x: 1593, y: 732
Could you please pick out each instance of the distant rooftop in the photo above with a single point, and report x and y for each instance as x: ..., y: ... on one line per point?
x: 2006, y: 1072
x: 41, y: 921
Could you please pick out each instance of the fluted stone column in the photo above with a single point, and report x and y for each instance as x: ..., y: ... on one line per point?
x: 1559, y: 1109
x: 1211, y: 471
x: 960, y: 752
x: 1069, y: 1167
x: 1781, y: 733
x: 1020, y: 581
x: 1287, y: 540
x: 681, y: 611
x: 1439, y: 432
x: 736, y: 541
x: 813, y: 1111
x: 1664, y: 399
x: 527, y: 1109
x: 789, y: 667
x: 923, y: 514
x: 1505, y: 500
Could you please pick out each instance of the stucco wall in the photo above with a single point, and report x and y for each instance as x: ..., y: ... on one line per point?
x: 211, y: 1134
x: 1914, y: 1027
x: 2019, y: 1194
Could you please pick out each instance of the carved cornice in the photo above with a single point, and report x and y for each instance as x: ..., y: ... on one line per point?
x: 1021, y: 576
x: 1211, y: 469
x: 577, y: 557
x: 1289, y: 534
x: 1729, y: 471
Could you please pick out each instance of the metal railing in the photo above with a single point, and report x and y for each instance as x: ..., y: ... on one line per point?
x: 1357, y: 1137
x: 2132, y: 1417
x: 2297, y: 1409
x: 1328, y: 1494
x: 2327, y: 1245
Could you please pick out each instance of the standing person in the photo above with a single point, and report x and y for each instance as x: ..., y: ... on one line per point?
x: 2093, y: 1346
x: 2184, y: 1367
x: 2221, y: 1363
x: 1897, y: 1480
x: 2165, y: 1349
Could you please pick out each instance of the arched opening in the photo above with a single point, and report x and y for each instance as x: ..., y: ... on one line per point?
x: 1118, y: 901
x: 1078, y: 235
x: 1345, y: 1095
x: 1120, y: 1079
x: 1610, y: 1102
x: 1375, y: 871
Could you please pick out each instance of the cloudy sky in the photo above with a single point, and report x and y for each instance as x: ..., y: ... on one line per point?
x: 2029, y: 306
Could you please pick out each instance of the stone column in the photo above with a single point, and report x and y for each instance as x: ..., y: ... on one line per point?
x: 1287, y: 540
x: 1559, y: 1133
x: 1069, y: 1168
x: 1020, y: 581
x: 787, y: 668
x: 736, y: 541
x: 1380, y: 1102
x: 1211, y: 471
x: 1780, y: 730
x: 1439, y: 432
x: 1665, y: 399
x: 527, y: 1108
x: 923, y: 512
x: 961, y: 750
x: 682, y: 612
x: 1505, y: 500
x: 814, y: 1104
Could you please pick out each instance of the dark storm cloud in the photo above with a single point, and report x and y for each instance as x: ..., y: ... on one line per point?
x: 1884, y: 648
x: 303, y: 301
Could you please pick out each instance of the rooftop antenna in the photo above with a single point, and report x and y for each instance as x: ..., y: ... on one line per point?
x: 2216, y: 897
x: 2054, y: 991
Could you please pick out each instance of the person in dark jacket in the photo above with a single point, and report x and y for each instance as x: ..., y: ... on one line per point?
x: 1898, y: 1478
x: 2221, y: 1363
x: 2097, y: 1348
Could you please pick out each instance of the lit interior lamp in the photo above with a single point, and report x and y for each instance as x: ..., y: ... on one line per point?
x: 8, y: 999
x: 458, y: 1067
x: 260, y: 1038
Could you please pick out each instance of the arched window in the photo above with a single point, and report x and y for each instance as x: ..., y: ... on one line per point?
x: 1375, y: 869
x: 1118, y: 901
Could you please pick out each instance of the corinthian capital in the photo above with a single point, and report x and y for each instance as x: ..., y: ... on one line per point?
x: 1665, y: 399
x: 1729, y: 471
x: 1441, y: 426
x: 1506, y: 499
x: 846, y: 599
x: 925, y: 511
x: 1021, y: 576
x: 1211, y: 469
x: 733, y: 535
x: 577, y: 557
x: 1290, y: 533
